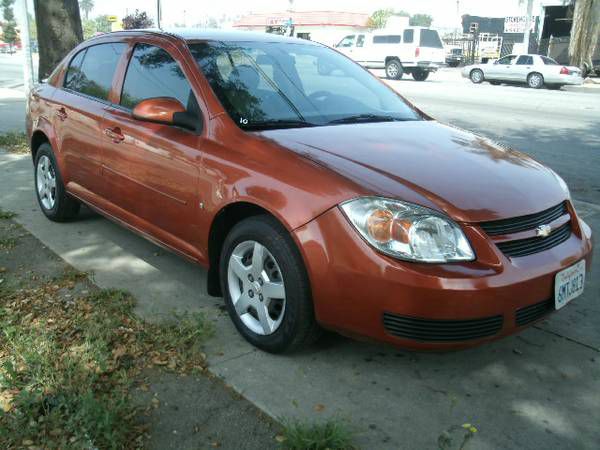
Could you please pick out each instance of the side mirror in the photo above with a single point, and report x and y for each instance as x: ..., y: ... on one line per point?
x: 159, y: 110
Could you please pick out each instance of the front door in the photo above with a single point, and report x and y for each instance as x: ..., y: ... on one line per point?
x: 151, y: 169
x: 501, y: 69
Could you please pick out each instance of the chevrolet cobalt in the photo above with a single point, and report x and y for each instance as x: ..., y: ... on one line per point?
x: 315, y: 195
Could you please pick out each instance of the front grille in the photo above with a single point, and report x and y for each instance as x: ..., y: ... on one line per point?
x: 441, y: 330
x: 533, y: 312
x: 529, y: 222
x: 529, y: 246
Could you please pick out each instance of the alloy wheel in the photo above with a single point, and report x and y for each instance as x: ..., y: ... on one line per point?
x: 256, y: 287
x: 46, y: 182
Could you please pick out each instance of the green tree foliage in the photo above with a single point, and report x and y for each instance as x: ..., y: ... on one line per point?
x: 380, y: 17
x: 86, y: 6
x: 139, y: 19
x: 9, y: 28
x: 420, y: 20
x: 102, y: 24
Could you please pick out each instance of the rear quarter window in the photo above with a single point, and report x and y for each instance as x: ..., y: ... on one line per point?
x: 387, y: 39
x: 430, y: 38
x: 408, y: 36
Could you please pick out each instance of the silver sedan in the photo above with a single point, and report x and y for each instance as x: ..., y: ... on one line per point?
x: 534, y: 70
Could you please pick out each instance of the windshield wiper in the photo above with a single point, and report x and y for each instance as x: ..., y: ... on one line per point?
x: 367, y: 118
x: 275, y: 124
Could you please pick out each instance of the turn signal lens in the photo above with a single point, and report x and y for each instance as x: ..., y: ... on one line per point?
x: 379, y: 225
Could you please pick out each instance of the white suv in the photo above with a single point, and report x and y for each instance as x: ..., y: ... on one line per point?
x: 414, y: 50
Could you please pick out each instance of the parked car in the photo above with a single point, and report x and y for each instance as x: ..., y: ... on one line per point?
x: 414, y: 50
x: 534, y: 70
x: 314, y: 200
x: 454, y: 56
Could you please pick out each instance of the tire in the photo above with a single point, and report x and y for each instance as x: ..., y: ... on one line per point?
x: 394, y: 69
x: 535, y: 80
x: 476, y: 76
x: 495, y: 83
x: 280, y: 270
x: 420, y: 75
x: 54, y: 201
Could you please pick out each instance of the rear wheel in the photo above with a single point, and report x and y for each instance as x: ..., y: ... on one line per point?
x: 393, y: 69
x: 476, y: 76
x: 420, y: 75
x: 54, y: 201
x: 535, y: 80
x: 266, y: 286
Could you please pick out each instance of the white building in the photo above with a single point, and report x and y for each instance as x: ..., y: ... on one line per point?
x: 326, y: 27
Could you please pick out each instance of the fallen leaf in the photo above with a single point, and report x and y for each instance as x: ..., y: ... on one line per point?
x: 319, y: 407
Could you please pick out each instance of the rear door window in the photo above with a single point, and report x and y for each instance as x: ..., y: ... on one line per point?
x: 430, y: 38
x: 152, y: 73
x: 91, y: 71
x: 525, y: 60
x: 360, y: 41
x: 408, y: 36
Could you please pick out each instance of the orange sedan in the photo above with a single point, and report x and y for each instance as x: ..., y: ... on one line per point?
x: 315, y: 195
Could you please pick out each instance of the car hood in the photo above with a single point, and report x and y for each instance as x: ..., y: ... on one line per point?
x: 466, y: 176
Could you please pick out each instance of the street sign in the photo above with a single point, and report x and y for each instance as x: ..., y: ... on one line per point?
x: 112, y: 18
x: 517, y: 24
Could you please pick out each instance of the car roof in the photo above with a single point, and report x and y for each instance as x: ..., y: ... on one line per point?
x: 208, y: 34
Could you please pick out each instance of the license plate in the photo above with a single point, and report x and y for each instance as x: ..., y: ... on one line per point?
x: 568, y: 284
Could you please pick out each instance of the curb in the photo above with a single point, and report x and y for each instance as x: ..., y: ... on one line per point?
x: 594, y: 89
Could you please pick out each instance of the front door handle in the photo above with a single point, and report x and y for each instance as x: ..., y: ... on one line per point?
x: 62, y: 113
x: 114, y: 134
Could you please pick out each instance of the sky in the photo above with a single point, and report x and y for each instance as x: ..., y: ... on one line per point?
x: 190, y: 12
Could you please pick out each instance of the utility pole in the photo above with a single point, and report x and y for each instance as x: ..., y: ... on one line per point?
x: 527, y: 32
x: 158, y: 13
x: 26, y: 44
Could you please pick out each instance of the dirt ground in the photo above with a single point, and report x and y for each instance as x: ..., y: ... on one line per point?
x: 178, y: 411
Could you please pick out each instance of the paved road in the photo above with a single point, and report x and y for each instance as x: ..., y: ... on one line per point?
x: 540, y: 389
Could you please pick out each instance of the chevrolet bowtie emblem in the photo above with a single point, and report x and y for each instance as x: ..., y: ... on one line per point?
x: 543, y: 230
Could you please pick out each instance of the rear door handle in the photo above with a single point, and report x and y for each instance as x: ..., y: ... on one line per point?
x: 62, y: 113
x: 115, y: 134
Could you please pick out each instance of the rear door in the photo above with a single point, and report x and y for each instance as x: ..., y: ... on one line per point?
x: 431, y: 48
x: 151, y: 169
x: 522, y: 67
x: 80, y: 105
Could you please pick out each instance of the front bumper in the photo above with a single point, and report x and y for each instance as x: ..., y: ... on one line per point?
x: 359, y: 292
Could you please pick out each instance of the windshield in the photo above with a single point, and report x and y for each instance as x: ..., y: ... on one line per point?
x: 266, y: 85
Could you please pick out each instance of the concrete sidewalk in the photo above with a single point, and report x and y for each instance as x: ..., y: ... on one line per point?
x: 540, y: 389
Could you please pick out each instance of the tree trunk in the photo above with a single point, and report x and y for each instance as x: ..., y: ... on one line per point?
x: 58, y: 29
x: 584, y: 33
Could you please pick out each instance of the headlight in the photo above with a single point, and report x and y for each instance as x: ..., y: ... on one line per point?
x: 406, y: 231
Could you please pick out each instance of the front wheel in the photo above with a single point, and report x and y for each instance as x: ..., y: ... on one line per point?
x: 54, y: 201
x: 420, y: 75
x: 393, y: 69
x: 266, y: 286
x: 476, y: 76
x: 535, y: 80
